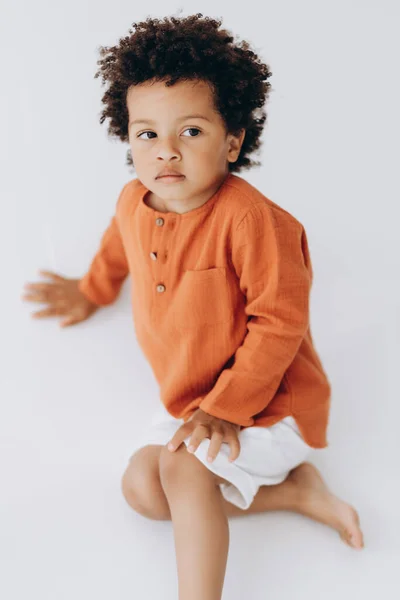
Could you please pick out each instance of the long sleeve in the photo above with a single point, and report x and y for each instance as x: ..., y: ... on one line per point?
x: 108, y: 269
x: 271, y: 258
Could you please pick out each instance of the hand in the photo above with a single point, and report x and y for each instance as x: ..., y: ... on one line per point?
x: 202, y: 425
x: 63, y: 297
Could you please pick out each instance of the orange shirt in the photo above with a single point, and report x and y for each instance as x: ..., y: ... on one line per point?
x: 220, y: 300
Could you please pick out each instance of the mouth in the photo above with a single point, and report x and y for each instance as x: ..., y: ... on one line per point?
x: 170, y: 178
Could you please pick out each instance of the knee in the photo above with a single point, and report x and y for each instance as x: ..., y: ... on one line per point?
x: 140, y: 492
x: 180, y: 468
x: 133, y: 489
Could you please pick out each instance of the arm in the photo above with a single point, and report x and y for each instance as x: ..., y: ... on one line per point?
x: 271, y: 258
x: 108, y: 269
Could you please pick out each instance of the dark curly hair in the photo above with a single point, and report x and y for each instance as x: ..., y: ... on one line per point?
x: 189, y: 48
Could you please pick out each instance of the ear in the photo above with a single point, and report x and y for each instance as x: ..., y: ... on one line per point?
x: 235, y: 145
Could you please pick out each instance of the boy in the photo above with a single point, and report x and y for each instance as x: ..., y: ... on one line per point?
x: 221, y: 279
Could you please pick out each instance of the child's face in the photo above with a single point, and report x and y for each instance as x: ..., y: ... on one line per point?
x: 198, y: 148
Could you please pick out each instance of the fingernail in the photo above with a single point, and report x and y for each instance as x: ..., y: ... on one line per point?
x: 191, y: 449
x: 170, y: 447
x: 209, y: 458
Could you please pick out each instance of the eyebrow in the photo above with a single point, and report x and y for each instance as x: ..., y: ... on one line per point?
x: 180, y: 119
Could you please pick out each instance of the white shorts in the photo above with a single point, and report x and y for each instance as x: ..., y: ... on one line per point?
x: 267, y: 454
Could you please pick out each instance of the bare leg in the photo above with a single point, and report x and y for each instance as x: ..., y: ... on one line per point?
x: 304, y: 492
x: 200, y: 525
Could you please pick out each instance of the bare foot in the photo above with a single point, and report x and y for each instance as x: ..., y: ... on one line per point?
x: 318, y: 503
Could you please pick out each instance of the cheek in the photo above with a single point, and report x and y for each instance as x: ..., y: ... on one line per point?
x: 213, y: 157
x: 209, y: 151
x: 138, y: 154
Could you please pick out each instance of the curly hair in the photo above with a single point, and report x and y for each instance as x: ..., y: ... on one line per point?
x: 189, y: 48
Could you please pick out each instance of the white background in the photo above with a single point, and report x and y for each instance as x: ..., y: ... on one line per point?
x: 73, y: 401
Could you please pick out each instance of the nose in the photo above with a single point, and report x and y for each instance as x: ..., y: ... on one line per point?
x: 167, y: 150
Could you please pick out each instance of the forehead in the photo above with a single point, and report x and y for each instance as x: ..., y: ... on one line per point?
x: 157, y: 97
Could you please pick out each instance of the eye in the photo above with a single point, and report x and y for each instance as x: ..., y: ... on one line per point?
x: 188, y: 129
x: 140, y: 134
x: 193, y: 129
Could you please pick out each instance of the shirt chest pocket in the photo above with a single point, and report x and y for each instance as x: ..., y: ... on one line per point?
x: 203, y: 297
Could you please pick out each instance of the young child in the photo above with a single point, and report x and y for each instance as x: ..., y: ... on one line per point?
x: 221, y: 280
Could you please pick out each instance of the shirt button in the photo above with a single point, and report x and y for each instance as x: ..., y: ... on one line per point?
x: 161, y: 288
x: 153, y: 255
x: 159, y: 221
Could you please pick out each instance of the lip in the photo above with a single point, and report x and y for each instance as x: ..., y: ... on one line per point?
x: 171, y: 178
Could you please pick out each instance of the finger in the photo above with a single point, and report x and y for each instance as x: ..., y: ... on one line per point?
x: 69, y: 321
x: 39, y: 286
x: 50, y: 299
x: 37, y: 297
x: 201, y: 432
x: 180, y: 435
x: 215, y: 445
x: 235, y: 446
x: 33, y: 298
x: 47, y: 312
x: 52, y: 275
